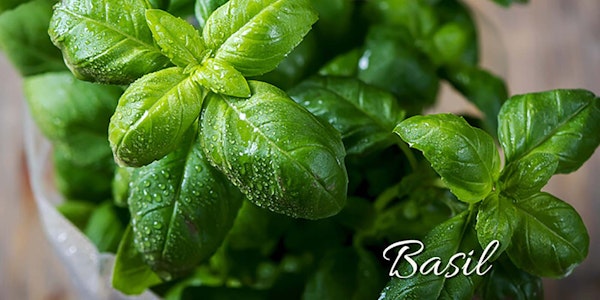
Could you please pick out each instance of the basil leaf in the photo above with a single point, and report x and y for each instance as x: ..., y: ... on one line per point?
x: 79, y: 179
x: 152, y: 116
x: 336, y: 278
x: 177, y: 39
x: 276, y: 152
x: 416, y: 16
x: 105, y: 40
x: 131, y: 275
x: 549, y: 230
x: 481, y: 88
x: 221, y: 78
x: 364, y: 115
x: 528, y: 175
x: 204, y: 8
x: 256, y: 227
x: 496, y: 221
x: 506, y: 281
x: 64, y: 107
x: 10, y: 4
x: 24, y: 38
x: 561, y: 122
x: 390, y: 61
x: 78, y: 212
x: 345, y: 64
x: 181, y: 209
x: 458, y: 31
x: 104, y: 228
x: 453, y: 236
x: 298, y: 65
x: 120, y: 186
x: 465, y: 157
x: 254, y: 36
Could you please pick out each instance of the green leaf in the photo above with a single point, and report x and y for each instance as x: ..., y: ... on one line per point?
x: 74, y: 115
x: 10, y: 4
x: 120, y: 186
x: 391, y: 61
x: 281, y: 156
x: 105, y: 40
x: 528, y: 175
x: 76, y: 211
x: 131, y: 275
x: 456, y: 40
x: 345, y: 64
x: 83, y: 179
x: 451, y: 237
x: 64, y: 107
x: 181, y: 208
x: 415, y: 15
x: 496, y: 222
x: 177, y: 39
x: 221, y: 78
x: 104, y: 228
x: 345, y: 274
x: 550, y: 239
x: 152, y: 116
x: 364, y: 115
x: 481, y: 88
x: 465, y: 157
x: 561, y: 122
x: 24, y: 38
x: 204, y: 8
x: 506, y: 281
x: 254, y: 36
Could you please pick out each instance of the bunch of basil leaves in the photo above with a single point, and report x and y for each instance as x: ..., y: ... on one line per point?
x: 261, y: 148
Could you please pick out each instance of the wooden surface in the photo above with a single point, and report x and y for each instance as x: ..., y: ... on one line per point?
x: 546, y: 44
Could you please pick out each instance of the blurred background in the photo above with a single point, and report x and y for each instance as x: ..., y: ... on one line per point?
x: 543, y: 45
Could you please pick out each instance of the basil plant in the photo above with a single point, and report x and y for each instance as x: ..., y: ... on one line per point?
x: 269, y: 149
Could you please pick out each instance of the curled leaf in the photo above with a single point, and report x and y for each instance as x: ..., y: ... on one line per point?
x: 152, y: 116
x: 105, y: 40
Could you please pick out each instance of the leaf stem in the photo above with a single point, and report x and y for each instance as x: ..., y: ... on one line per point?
x: 408, y: 153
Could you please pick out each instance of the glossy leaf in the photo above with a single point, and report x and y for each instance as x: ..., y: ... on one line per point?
x: 24, y: 38
x: 481, y: 88
x: 177, y: 38
x: 181, y: 209
x: 528, y: 175
x: 561, y: 122
x: 496, y: 221
x: 549, y: 231
x: 105, y: 41
x: 254, y: 36
x: 364, y: 115
x: 457, y: 31
x: 221, y: 78
x: 444, y: 241
x: 152, y: 116
x: 465, y: 157
x: 204, y: 8
x: 276, y: 152
x: 345, y: 274
x: 131, y: 275
x: 506, y: 281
